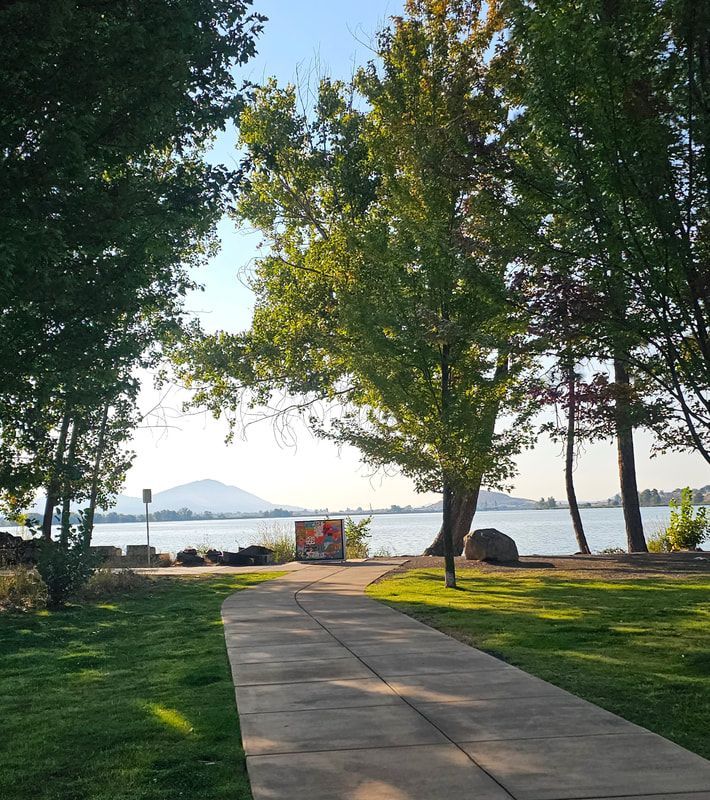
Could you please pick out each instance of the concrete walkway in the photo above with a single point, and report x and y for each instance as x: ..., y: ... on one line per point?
x: 342, y: 698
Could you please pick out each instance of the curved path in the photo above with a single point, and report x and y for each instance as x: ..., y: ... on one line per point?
x: 343, y: 698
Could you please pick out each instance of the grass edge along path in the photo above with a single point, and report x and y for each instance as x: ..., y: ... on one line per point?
x: 126, y: 698
x: 637, y: 647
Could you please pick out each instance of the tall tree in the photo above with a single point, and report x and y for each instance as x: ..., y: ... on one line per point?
x: 384, y: 290
x: 615, y: 96
x: 107, y: 201
x: 613, y: 100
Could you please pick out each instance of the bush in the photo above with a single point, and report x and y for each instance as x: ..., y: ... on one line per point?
x: 65, y: 568
x: 357, y: 535
x: 107, y: 583
x: 687, y: 528
x: 658, y: 543
x: 276, y: 537
x: 22, y: 589
x: 612, y: 551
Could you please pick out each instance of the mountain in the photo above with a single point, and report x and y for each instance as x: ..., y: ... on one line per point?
x: 491, y: 501
x: 199, y: 496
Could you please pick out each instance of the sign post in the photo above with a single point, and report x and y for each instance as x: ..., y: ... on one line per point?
x: 147, y: 498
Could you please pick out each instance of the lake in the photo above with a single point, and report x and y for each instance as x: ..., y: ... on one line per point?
x: 544, y: 532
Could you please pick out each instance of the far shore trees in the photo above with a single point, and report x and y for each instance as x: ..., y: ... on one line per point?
x: 384, y: 292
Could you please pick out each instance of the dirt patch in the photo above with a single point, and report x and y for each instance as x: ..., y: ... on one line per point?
x: 639, y: 565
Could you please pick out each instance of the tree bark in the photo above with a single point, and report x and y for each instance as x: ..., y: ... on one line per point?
x: 54, y: 483
x: 464, y: 508
x: 66, y: 486
x: 94, y: 492
x: 636, y: 541
x: 447, y: 529
x: 569, y: 462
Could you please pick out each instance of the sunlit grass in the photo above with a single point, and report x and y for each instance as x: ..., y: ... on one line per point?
x: 638, y: 647
x: 130, y: 699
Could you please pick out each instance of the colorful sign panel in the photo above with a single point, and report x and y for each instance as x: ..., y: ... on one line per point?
x: 320, y: 540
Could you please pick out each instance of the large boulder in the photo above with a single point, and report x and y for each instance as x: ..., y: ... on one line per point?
x: 489, y: 544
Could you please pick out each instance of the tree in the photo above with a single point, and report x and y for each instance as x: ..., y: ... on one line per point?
x: 384, y: 292
x: 107, y: 201
x: 617, y: 97
x: 613, y: 146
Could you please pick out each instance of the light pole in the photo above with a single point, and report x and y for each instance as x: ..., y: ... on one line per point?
x: 147, y: 498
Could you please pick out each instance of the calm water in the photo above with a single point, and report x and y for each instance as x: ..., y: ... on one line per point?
x: 535, y: 532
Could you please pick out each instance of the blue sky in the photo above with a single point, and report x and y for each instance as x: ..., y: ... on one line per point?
x: 331, y: 37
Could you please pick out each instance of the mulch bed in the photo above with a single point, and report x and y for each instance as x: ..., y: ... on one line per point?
x: 639, y: 565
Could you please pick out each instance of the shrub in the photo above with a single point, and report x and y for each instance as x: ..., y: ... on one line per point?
x: 22, y: 589
x: 612, y: 551
x: 658, y: 543
x: 357, y: 535
x: 65, y: 568
x: 108, y: 583
x: 276, y: 537
x: 687, y: 528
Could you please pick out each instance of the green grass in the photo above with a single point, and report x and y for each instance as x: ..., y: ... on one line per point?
x: 126, y: 699
x: 640, y: 648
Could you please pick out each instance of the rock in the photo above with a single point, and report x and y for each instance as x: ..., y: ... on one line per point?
x: 105, y: 552
x: 139, y: 551
x: 190, y: 558
x: 258, y: 554
x: 16, y: 550
x: 231, y: 559
x: 489, y: 544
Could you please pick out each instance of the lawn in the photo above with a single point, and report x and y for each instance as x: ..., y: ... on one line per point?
x: 126, y: 699
x: 639, y: 647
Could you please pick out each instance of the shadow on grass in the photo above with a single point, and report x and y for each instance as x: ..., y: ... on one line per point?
x: 131, y: 698
x: 640, y: 648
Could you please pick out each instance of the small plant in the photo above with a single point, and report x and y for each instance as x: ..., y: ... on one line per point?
x: 357, y: 536
x: 22, y: 589
x: 659, y: 543
x: 612, y: 551
x: 276, y: 537
x: 65, y: 566
x: 687, y: 528
x: 107, y: 583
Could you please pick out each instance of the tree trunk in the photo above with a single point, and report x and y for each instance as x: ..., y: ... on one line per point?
x: 569, y: 462
x: 627, y: 462
x: 89, y: 520
x: 54, y: 483
x: 447, y: 529
x: 464, y: 508
x: 67, y: 486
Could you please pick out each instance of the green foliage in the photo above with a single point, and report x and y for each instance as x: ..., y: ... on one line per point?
x: 65, y: 566
x: 638, y: 647
x: 21, y: 589
x: 108, y: 202
x: 383, y: 291
x: 658, y: 542
x: 279, y: 538
x: 687, y: 528
x: 609, y: 140
x: 141, y: 687
x: 357, y: 537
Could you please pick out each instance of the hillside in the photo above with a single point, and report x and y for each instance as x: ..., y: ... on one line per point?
x: 491, y: 501
x: 200, y: 496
